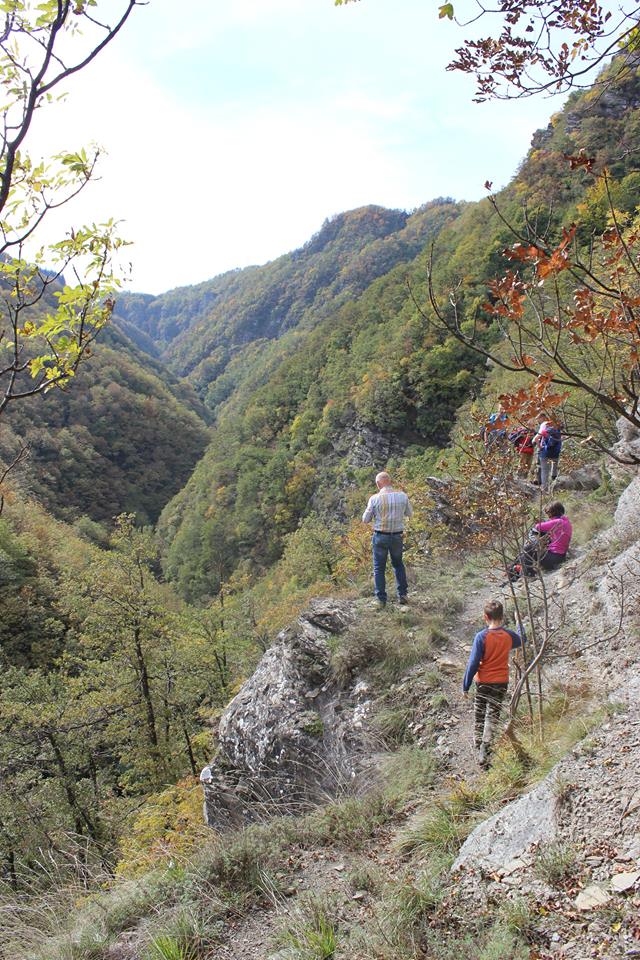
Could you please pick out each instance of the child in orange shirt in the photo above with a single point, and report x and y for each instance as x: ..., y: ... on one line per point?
x: 489, y: 659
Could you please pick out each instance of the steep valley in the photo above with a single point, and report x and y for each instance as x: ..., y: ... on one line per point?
x: 185, y: 586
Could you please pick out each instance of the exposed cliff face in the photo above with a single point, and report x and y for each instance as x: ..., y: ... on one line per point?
x: 293, y: 734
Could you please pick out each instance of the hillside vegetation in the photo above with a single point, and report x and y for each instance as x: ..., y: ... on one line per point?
x: 124, y: 437
x: 363, y: 382
x: 122, y: 643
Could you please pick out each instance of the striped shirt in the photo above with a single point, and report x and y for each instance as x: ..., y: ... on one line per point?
x: 388, y: 509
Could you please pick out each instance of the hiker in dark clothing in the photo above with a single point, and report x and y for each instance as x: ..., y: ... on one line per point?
x: 489, y: 661
x: 548, y: 440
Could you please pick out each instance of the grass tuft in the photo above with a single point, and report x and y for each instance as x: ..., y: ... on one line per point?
x: 439, y: 830
x: 311, y: 931
x: 350, y: 822
x: 409, y: 772
x: 556, y: 863
x: 517, y: 916
x: 168, y: 948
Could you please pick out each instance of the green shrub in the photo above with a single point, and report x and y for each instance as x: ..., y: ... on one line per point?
x: 311, y: 931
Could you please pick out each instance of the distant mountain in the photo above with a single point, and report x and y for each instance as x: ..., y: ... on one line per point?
x: 200, y: 329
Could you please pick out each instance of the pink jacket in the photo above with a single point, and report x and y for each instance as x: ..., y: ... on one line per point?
x: 561, y: 530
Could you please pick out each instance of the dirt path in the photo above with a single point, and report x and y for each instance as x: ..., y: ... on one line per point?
x: 463, y: 629
x: 329, y: 872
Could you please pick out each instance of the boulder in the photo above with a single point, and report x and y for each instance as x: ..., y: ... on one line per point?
x: 628, y: 447
x: 588, y: 477
x: 290, y: 736
x: 627, y: 515
x: 507, y: 836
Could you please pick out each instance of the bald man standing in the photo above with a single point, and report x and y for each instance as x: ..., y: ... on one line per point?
x: 388, y: 509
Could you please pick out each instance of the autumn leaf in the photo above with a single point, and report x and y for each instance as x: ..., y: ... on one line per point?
x: 580, y: 160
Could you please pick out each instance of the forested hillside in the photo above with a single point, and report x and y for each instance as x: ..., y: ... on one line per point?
x: 123, y: 437
x: 363, y: 376
x: 201, y: 328
x: 247, y: 416
x: 313, y: 366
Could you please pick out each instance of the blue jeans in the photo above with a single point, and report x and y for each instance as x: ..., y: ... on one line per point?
x: 383, y: 545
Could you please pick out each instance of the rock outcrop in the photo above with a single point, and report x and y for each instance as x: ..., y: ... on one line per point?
x: 588, y: 477
x: 583, y: 819
x: 505, y: 840
x: 362, y: 445
x: 292, y: 735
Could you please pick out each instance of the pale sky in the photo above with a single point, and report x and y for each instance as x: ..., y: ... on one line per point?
x: 233, y: 129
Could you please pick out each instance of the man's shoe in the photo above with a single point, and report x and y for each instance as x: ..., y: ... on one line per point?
x: 403, y: 601
x: 380, y: 604
x: 483, y: 757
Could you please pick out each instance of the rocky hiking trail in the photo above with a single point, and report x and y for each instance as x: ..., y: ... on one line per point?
x: 330, y: 873
x: 583, y: 816
x: 446, y: 728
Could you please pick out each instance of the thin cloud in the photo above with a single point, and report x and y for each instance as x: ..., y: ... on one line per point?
x: 211, y: 171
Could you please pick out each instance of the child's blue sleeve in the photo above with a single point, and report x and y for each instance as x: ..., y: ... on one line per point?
x: 516, y: 638
x: 476, y: 655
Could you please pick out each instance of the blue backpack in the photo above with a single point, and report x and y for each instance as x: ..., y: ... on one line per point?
x: 551, y: 444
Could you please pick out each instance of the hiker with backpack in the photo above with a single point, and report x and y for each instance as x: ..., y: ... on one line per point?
x: 548, y: 544
x: 548, y: 440
x: 522, y: 440
x: 489, y: 664
x: 494, y: 432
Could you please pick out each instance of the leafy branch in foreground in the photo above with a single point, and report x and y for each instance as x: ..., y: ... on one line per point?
x: 566, y: 317
x: 543, y: 46
x: 47, y: 326
x: 540, y: 46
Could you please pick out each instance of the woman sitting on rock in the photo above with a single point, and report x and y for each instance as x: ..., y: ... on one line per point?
x: 548, y: 545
